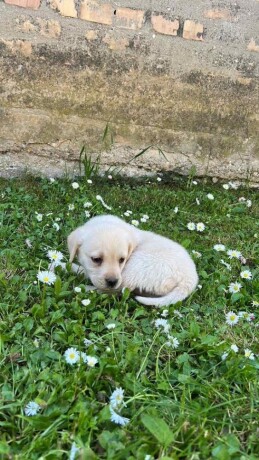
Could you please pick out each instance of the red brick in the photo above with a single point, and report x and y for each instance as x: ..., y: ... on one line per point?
x: 94, y: 11
x: 34, y: 4
x: 217, y: 14
x: 164, y: 26
x: 127, y: 18
x: 192, y: 30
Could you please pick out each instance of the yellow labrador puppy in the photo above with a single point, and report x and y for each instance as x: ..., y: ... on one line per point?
x: 114, y: 255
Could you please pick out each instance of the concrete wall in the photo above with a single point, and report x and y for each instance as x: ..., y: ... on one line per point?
x: 178, y: 75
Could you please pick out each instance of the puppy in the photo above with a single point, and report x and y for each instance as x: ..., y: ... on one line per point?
x: 114, y: 255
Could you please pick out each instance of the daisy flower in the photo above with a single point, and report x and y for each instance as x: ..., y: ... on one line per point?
x: 142, y: 219
x: 172, y: 342
x: 234, y: 254
x: 224, y: 356
x: 135, y: 222
x: 71, y: 207
x: 91, y: 361
x: 118, y: 419
x: 198, y: 201
x: 111, y: 326
x: 176, y: 209
x: 234, y: 348
x: 110, y: 177
x: 228, y: 266
x: 39, y: 216
x: 89, y: 181
x: 219, y: 247
x: 77, y: 289
x: 195, y: 182
x: 52, y: 180
x: 164, y: 313
x: 158, y: 179
x: 56, y: 226
x: 163, y: 323
x: 191, y: 226
x: 116, y: 399
x: 249, y: 354
x: 88, y: 204
x: 200, y: 227
x: 234, y: 185
x: 86, y: 302
x: 232, y: 318
x: 255, y: 303
x: 196, y: 254
x: 46, y: 277
x: 234, y: 287
x: 32, y: 408
x: 225, y: 186
x: 248, y: 203
x: 210, y: 196
x: 99, y: 198
x: 55, y: 256
x: 87, y: 214
x: 242, y: 199
x: 72, y: 355
x: 246, y: 274
x: 75, y: 185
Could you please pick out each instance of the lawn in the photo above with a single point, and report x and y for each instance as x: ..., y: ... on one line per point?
x: 88, y: 376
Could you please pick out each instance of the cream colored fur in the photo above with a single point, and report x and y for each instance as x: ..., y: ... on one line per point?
x: 154, y: 266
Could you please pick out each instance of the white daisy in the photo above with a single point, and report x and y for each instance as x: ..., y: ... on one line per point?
x: 191, y: 226
x: 135, y: 222
x: 248, y: 203
x: 143, y: 220
x: 198, y: 201
x: 39, y: 216
x: 71, y: 207
x: 242, y: 199
x: 163, y: 323
x: 176, y: 209
x: 111, y: 326
x: 88, y: 204
x: 158, y: 179
x: 255, y: 303
x: 195, y: 182
x: 172, y: 342
x: 56, y: 226
x: 246, y: 274
x: 126, y: 214
x: 200, y: 227
x: 224, y: 356
x: 86, y: 302
x: 232, y: 318
x: 196, y: 254
x: 234, y: 287
x: 89, y: 181
x: 249, y: 354
x: 87, y: 214
x: 164, y: 313
x: 225, y: 186
x: 234, y: 348
x: 116, y: 399
x: 116, y: 418
x: 72, y: 355
x: 91, y: 361
x: 55, y: 256
x: 234, y: 185
x: 228, y: 266
x: 110, y: 177
x: 219, y: 247
x: 234, y: 254
x: 46, y: 277
x: 52, y: 180
x: 83, y: 356
x: 75, y: 185
x: 77, y: 289
x: 210, y: 196
x: 32, y: 408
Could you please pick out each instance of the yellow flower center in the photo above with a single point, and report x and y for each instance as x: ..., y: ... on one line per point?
x: 46, y: 279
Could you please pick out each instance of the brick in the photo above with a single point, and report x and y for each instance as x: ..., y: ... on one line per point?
x: 94, y: 11
x: 34, y: 4
x: 116, y: 44
x: 218, y: 14
x: 192, y: 30
x: 128, y: 18
x: 252, y: 46
x: 65, y: 7
x: 164, y: 26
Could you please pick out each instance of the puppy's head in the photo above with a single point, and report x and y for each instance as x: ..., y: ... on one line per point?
x: 103, y: 252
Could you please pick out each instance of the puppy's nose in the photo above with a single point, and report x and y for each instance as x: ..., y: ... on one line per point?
x: 111, y: 282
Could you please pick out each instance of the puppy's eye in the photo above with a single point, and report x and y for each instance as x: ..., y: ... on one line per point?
x: 97, y: 260
x: 121, y: 260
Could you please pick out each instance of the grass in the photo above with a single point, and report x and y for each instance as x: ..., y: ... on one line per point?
x: 184, y: 402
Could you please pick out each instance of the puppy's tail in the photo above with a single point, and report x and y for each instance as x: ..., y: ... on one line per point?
x: 178, y: 294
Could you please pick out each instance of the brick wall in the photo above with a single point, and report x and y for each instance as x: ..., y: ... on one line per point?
x: 180, y: 75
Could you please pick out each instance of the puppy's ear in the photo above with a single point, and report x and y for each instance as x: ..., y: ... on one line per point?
x: 74, y: 240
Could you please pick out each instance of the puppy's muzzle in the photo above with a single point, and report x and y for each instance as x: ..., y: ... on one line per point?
x: 111, y: 282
